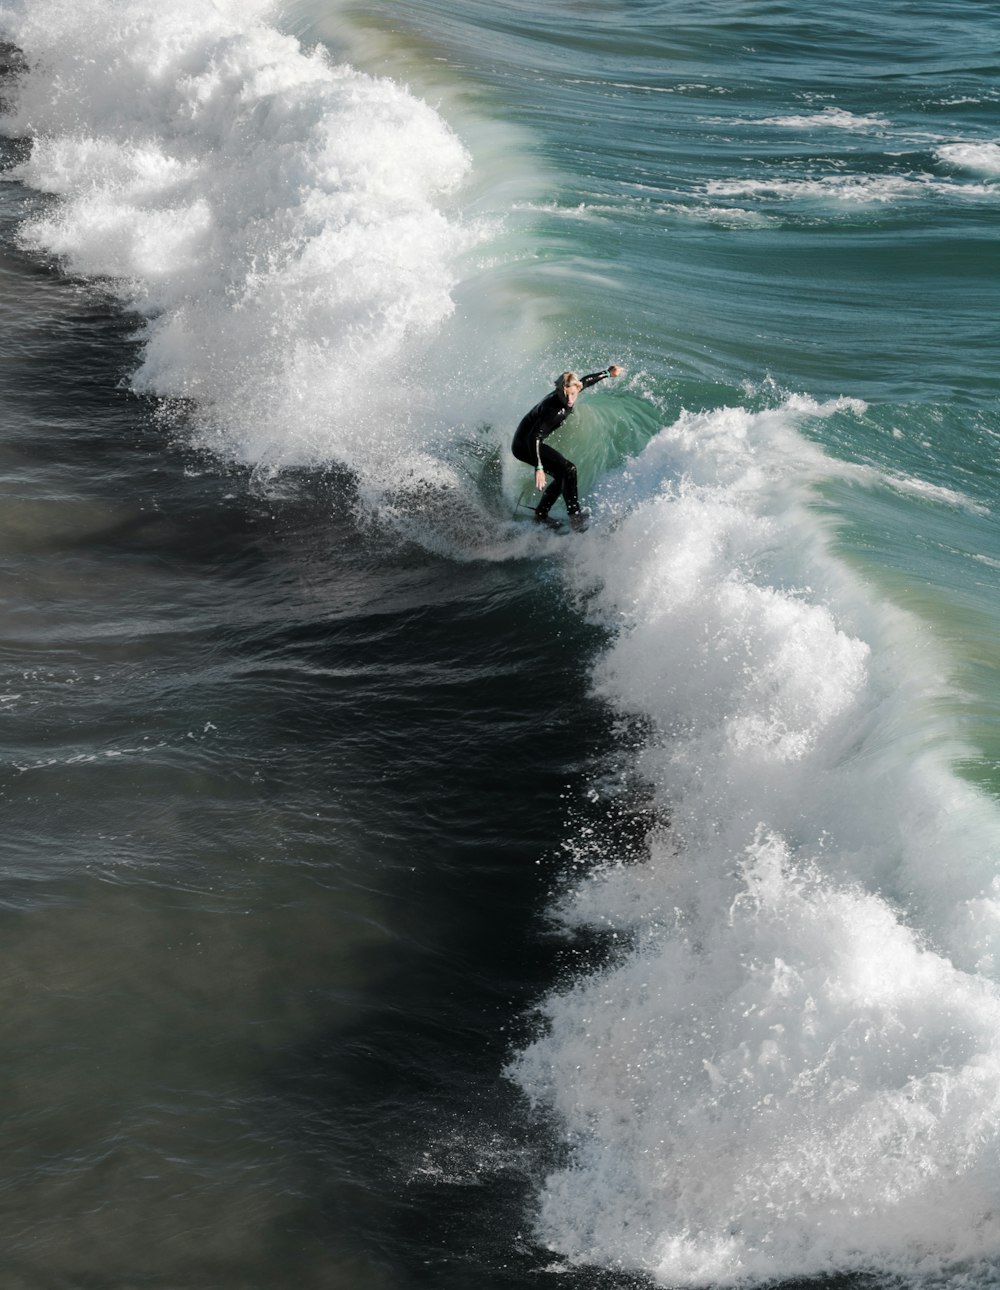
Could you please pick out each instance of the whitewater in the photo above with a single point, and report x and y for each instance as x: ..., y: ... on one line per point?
x: 789, y: 1063
x: 276, y: 221
x: 793, y: 1067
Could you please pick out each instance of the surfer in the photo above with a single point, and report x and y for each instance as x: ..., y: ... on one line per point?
x: 529, y: 445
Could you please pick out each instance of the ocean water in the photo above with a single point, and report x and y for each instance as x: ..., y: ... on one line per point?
x: 394, y: 895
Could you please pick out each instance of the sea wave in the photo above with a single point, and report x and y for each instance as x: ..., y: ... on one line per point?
x: 792, y: 1063
x: 829, y: 118
x: 979, y: 157
x: 856, y: 189
x: 282, y: 224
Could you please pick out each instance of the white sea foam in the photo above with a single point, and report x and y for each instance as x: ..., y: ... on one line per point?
x: 724, y: 216
x: 286, y: 227
x: 854, y: 189
x: 933, y: 492
x: 829, y: 118
x: 796, y: 1066
x: 982, y: 158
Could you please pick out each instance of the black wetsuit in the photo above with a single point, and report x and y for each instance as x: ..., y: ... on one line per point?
x: 529, y: 446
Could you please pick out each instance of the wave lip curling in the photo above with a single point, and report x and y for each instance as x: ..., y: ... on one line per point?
x: 793, y: 1069
x: 278, y: 221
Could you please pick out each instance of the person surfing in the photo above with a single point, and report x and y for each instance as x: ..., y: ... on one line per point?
x: 529, y: 446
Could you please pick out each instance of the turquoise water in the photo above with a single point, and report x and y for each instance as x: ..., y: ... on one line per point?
x: 399, y: 896
x: 750, y: 204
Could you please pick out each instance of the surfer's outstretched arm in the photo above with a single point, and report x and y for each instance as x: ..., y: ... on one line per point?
x: 594, y: 377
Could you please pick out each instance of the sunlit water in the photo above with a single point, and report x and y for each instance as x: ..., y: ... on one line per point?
x: 395, y: 895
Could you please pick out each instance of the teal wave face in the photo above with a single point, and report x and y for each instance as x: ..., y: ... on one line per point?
x: 740, y: 205
x: 807, y: 195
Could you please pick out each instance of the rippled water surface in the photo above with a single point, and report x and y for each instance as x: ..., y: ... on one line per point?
x: 396, y: 896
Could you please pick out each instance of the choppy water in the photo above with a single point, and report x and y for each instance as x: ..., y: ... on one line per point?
x: 396, y: 896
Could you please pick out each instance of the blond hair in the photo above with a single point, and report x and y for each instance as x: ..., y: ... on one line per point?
x: 568, y: 380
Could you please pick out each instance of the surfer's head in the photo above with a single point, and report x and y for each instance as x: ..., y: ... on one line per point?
x: 569, y: 386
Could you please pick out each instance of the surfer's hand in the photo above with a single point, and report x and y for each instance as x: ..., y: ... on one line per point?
x: 540, y: 479
x: 614, y: 370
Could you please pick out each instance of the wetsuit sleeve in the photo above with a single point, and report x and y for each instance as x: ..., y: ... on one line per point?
x: 594, y: 377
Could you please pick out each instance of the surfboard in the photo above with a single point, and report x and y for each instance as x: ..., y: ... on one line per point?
x: 524, y: 512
